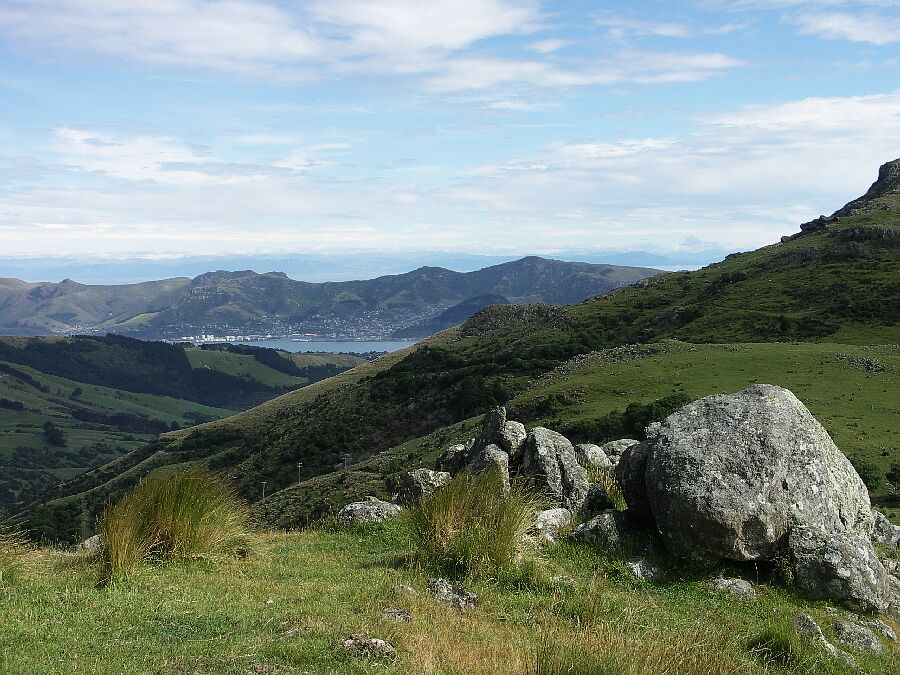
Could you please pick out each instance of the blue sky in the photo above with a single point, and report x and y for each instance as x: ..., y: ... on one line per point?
x: 173, y: 127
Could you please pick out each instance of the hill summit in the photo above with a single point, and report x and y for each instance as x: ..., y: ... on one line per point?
x: 884, y: 195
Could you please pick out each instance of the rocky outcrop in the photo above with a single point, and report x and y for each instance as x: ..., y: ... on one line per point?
x: 840, y: 566
x: 630, y: 472
x: 370, y: 510
x: 550, y: 457
x: 420, y: 483
x: 729, y: 477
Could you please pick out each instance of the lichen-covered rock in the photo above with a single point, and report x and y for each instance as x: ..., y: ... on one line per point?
x: 371, y: 510
x: 879, y: 626
x: 454, y: 459
x: 859, y: 637
x: 368, y: 646
x: 550, y: 458
x: 840, y: 566
x: 737, y: 588
x: 614, y: 449
x: 884, y: 531
x: 492, y: 457
x: 511, y: 439
x: 591, y: 456
x: 454, y: 596
x: 597, y: 500
x: 491, y: 426
x: 419, y: 483
x: 549, y: 524
x: 729, y: 476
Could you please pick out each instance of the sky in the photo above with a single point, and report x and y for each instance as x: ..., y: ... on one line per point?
x: 165, y: 128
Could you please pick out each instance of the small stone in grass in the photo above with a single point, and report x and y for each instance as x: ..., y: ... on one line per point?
x: 368, y: 646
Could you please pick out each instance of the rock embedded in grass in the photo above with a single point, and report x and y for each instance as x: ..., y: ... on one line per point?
x: 737, y: 588
x: 644, y: 569
x: 394, y: 614
x: 807, y: 627
x: 858, y: 637
x: 549, y: 524
x: 368, y: 646
x: 454, y: 596
x: 371, y: 510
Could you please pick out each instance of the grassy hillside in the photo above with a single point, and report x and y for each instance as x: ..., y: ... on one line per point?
x: 838, y: 285
x: 287, y: 608
x: 95, y: 424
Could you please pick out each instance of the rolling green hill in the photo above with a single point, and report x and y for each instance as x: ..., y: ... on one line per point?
x: 836, y: 283
x: 92, y: 421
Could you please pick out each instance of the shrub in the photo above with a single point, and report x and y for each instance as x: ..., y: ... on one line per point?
x: 473, y: 527
x: 16, y: 555
x: 185, y: 515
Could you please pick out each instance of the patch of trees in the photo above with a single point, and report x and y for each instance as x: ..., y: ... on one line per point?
x: 22, y: 376
x: 54, y: 434
x: 628, y: 424
x: 6, y: 404
x: 129, y: 422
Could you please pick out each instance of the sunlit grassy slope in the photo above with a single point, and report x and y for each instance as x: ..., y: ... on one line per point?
x: 286, y: 609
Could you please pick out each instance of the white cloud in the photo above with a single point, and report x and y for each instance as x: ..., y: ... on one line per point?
x: 634, y: 67
x: 874, y: 29
x: 620, y: 26
x: 549, y: 46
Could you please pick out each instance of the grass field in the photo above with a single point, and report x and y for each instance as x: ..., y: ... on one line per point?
x: 856, y: 406
x: 287, y: 608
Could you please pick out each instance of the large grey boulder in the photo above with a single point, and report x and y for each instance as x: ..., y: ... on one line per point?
x: 370, y: 510
x: 550, y: 458
x: 591, y: 456
x: 840, y: 566
x: 492, y: 457
x: 884, y: 531
x: 492, y: 425
x: 420, y: 483
x: 729, y: 476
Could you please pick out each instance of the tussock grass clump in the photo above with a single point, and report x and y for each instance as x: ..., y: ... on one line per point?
x: 613, y: 489
x: 186, y: 515
x: 472, y: 527
x: 605, y: 650
x: 781, y: 648
x: 17, y: 556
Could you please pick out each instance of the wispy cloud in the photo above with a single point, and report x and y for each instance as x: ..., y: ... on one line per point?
x: 876, y: 29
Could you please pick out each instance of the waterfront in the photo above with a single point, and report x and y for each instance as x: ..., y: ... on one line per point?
x: 343, y: 346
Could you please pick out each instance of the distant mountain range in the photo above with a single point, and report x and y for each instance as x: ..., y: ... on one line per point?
x: 320, y: 267
x: 247, y: 303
